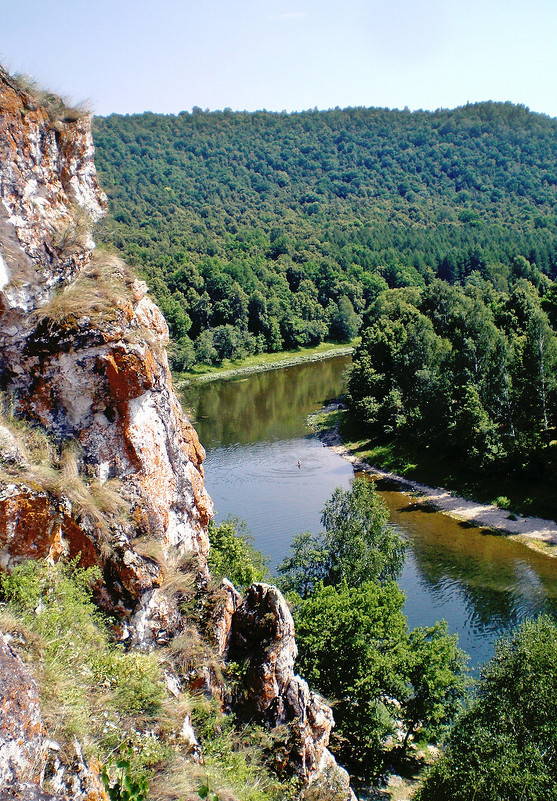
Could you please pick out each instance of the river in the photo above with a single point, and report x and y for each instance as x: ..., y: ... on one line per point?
x: 254, y: 431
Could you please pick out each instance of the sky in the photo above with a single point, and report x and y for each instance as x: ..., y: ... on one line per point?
x: 129, y: 56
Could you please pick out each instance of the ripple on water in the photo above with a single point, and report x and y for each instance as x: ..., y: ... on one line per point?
x: 262, y: 484
x: 481, y: 584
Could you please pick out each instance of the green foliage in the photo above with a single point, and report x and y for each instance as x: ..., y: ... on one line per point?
x: 504, y: 748
x: 90, y: 688
x: 232, y: 554
x: 356, y: 546
x: 349, y: 641
x: 354, y: 647
x: 236, y: 759
x: 287, y: 226
x: 115, y: 702
x: 120, y: 784
x: 55, y: 600
x: 467, y: 372
x: 435, y: 671
x: 205, y: 792
x: 353, y: 641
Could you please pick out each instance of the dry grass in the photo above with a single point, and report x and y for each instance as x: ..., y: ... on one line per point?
x: 189, y: 651
x: 59, y: 109
x: 89, y: 498
x: 62, y: 474
x: 29, y: 644
x: 149, y: 548
x: 173, y: 713
x: 104, y: 286
x: 33, y: 442
x: 72, y: 236
x: 182, y: 782
x: 179, y: 583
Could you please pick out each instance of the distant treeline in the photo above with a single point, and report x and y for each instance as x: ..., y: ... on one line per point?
x: 263, y: 231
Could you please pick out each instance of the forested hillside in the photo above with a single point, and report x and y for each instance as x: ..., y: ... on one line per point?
x: 262, y: 231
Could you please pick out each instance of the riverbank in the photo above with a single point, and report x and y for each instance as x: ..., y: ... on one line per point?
x: 264, y: 362
x: 534, y: 532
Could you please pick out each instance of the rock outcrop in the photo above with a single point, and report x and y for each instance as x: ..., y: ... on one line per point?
x: 263, y: 638
x: 21, y: 735
x: 99, y: 463
x: 82, y: 352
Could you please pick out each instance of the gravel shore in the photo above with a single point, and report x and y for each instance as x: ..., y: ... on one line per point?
x: 532, y: 531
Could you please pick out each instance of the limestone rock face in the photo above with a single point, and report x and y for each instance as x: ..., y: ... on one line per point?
x: 119, y: 481
x: 82, y: 352
x: 21, y: 735
x: 47, y: 180
x: 262, y: 636
x: 25, y: 791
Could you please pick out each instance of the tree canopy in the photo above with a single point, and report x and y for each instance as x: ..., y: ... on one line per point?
x: 504, y: 748
x: 232, y: 554
x: 469, y: 371
x: 287, y: 226
x: 356, y: 545
x: 354, y: 644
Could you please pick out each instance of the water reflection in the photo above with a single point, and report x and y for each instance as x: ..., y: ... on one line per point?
x: 483, y: 584
x: 264, y: 406
x: 255, y: 433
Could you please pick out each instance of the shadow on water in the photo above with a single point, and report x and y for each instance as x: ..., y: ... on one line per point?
x: 483, y: 583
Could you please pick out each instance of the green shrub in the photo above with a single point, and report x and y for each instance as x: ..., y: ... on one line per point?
x: 502, y: 502
x: 115, y: 702
x: 233, y: 555
x: 89, y: 685
x: 120, y: 784
x: 505, y: 745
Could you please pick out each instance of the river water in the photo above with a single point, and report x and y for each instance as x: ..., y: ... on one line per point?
x: 254, y: 431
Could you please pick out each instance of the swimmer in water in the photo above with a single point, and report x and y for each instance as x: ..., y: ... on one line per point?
x: 299, y: 463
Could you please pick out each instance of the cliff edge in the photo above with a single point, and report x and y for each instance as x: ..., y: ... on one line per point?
x: 99, y: 465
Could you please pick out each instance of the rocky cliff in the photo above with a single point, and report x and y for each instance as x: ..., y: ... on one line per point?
x: 99, y: 464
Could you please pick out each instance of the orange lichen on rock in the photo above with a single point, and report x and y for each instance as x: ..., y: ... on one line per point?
x: 21, y: 735
x: 35, y: 525
x: 130, y: 373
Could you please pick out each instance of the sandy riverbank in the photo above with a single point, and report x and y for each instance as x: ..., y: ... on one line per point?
x: 532, y: 531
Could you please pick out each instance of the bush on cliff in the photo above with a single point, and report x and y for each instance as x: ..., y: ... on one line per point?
x: 88, y: 685
x: 232, y: 554
x: 115, y: 702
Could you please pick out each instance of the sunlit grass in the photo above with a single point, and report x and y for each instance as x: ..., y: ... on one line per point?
x: 265, y: 361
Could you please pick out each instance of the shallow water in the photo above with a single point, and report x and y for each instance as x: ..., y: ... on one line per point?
x: 483, y: 584
x: 254, y: 430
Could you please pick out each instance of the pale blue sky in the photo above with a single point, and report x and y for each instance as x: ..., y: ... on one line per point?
x: 169, y: 55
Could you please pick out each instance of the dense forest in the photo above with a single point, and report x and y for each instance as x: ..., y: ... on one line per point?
x: 469, y: 371
x: 434, y: 235
x: 264, y: 231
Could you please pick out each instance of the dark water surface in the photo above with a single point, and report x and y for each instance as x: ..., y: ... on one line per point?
x: 254, y: 430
